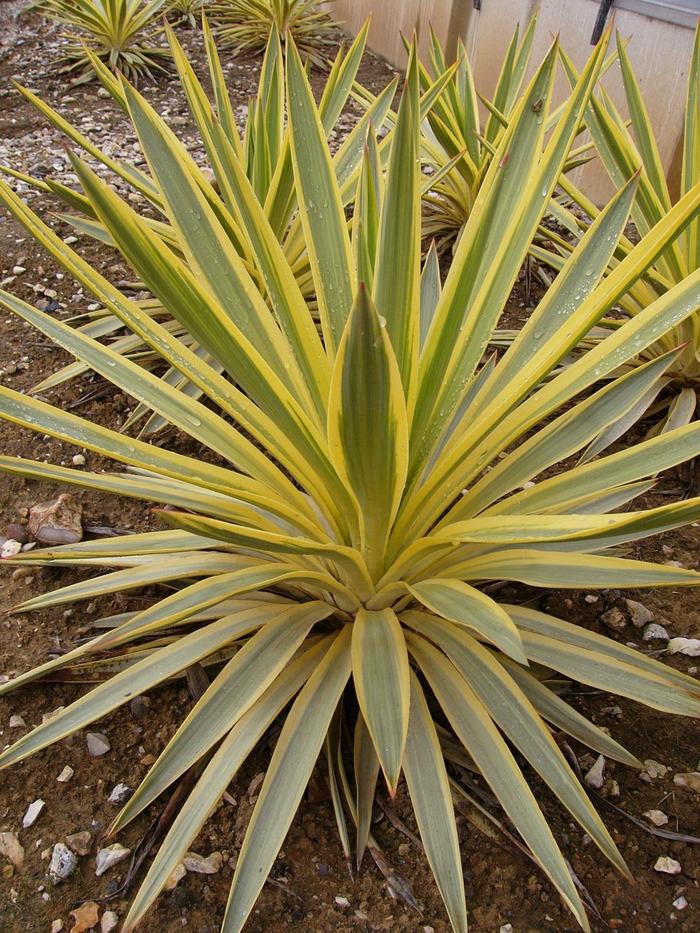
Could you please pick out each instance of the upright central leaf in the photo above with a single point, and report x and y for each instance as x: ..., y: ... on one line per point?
x: 397, y: 280
x: 367, y: 426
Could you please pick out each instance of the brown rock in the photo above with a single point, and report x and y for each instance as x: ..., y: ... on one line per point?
x: 11, y: 848
x: 614, y: 619
x: 86, y: 917
x: 80, y: 843
x: 57, y: 522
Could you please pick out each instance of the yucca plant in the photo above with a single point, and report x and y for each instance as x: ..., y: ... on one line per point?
x: 261, y: 151
x: 121, y: 33
x: 186, y: 12
x: 628, y: 148
x: 371, y: 478
x: 246, y: 25
x: 457, y: 144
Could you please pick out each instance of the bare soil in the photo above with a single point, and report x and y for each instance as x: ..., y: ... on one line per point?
x: 311, y: 887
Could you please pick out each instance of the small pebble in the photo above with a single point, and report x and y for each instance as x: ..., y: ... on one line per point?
x: 690, y: 780
x: 16, y: 722
x: 654, y: 769
x: 342, y: 901
x: 97, y: 744
x: 109, y: 856
x: 66, y: 774
x: 689, y: 646
x: 175, y: 877
x: 120, y: 794
x: 12, y: 849
x: 80, y: 843
x: 203, y: 866
x: 594, y: 777
x: 32, y: 814
x: 614, y: 619
x: 667, y: 865
x: 639, y: 614
x: 657, y: 817
x: 655, y: 632
x: 85, y: 916
x: 10, y: 548
x: 78, y: 460
x: 680, y: 903
x: 109, y: 921
x: 63, y: 863
x: 56, y: 926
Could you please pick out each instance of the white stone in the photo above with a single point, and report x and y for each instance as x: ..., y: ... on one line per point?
x: 110, y: 856
x: 657, y: 817
x: 97, y: 744
x: 689, y: 646
x: 109, y: 921
x: 10, y: 548
x: 667, y: 865
x: 33, y: 811
x: 655, y: 632
x: 78, y: 460
x: 654, y: 768
x: 203, y: 866
x: 63, y: 863
x: 66, y: 774
x: 639, y: 613
x: 120, y: 793
x: 680, y: 903
x: 594, y: 777
x: 342, y: 901
x: 16, y: 722
x: 56, y: 926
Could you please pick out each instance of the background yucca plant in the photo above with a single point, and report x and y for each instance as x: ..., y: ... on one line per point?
x: 186, y: 11
x: 369, y: 483
x: 247, y: 24
x: 457, y: 144
x: 262, y: 152
x: 627, y: 148
x: 121, y: 33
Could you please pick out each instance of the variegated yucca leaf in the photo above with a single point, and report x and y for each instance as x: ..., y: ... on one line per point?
x: 362, y: 478
x: 627, y: 148
x: 122, y: 34
x: 247, y: 24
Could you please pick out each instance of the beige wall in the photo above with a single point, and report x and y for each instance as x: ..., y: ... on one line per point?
x: 659, y: 51
x: 392, y: 17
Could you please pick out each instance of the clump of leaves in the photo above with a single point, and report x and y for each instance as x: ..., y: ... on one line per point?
x: 261, y: 149
x: 361, y: 484
x: 457, y: 143
x: 187, y: 12
x: 247, y: 24
x: 124, y: 34
x: 628, y: 149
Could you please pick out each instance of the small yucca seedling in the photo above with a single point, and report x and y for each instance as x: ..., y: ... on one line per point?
x: 246, y: 25
x: 121, y: 33
x: 626, y: 149
x: 372, y: 477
